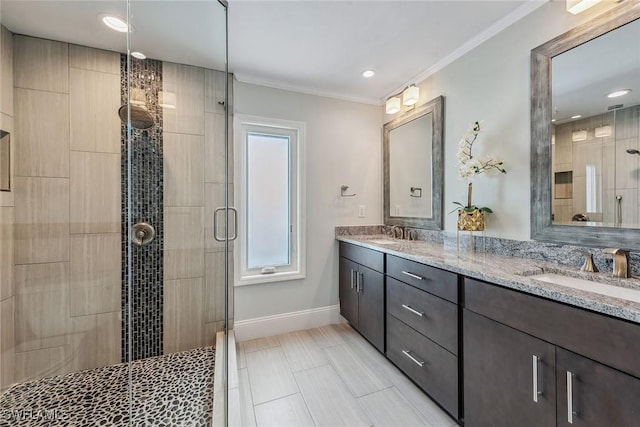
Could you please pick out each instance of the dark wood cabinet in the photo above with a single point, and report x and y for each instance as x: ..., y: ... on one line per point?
x: 361, y: 292
x: 594, y: 395
x: 509, y: 376
x: 500, y: 373
x: 347, y: 291
x: 370, y: 293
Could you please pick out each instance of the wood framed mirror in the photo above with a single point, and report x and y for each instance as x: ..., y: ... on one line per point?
x: 577, y: 153
x: 413, y: 167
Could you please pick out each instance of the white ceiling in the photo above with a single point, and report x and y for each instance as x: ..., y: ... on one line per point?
x: 323, y: 46
x: 311, y: 46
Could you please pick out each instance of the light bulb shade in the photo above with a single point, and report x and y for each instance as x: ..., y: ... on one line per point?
x: 410, y: 95
x: 580, y: 135
x: 393, y: 105
x: 577, y: 6
x: 167, y: 100
x: 603, y: 131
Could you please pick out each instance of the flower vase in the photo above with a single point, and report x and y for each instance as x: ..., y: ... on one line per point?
x: 470, y: 221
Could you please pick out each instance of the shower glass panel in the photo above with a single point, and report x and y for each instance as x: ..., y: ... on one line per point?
x: 175, y: 93
x: 112, y: 286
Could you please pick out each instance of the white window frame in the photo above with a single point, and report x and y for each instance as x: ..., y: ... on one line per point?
x: 244, y: 124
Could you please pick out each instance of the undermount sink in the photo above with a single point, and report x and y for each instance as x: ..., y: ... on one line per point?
x: 381, y: 241
x: 589, y: 286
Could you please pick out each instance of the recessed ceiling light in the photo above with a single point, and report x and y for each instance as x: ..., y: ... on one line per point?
x: 115, y: 23
x: 618, y: 93
x: 139, y: 55
x: 368, y: 73
x: 577, y: 116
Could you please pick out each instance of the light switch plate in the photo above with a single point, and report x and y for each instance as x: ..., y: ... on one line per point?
x: 361, y: 211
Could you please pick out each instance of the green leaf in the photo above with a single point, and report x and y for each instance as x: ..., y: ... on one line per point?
x: 486, y: 209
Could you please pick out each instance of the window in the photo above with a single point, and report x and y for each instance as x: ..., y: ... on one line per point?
x: 269, y: 178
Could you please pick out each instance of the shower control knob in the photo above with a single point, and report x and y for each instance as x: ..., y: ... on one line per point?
x: 142, y: 234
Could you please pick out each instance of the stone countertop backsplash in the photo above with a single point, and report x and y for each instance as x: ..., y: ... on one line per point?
x: 514, y: 270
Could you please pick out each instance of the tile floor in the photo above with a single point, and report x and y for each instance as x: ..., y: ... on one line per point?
x: 327, y: 377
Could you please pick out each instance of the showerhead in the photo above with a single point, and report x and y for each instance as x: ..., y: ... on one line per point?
x: 140, y: 117
x: 633, y: 151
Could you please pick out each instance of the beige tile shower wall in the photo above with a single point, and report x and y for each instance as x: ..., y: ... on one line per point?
x: 194, y: 177
x: 63, y: 312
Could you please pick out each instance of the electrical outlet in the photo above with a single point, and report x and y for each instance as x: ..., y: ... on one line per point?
x: 361, y: 211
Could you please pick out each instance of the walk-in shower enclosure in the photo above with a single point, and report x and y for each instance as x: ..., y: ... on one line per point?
x: 114, y: 159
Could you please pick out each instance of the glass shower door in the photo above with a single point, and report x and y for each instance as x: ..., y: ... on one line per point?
x: 175, y: 157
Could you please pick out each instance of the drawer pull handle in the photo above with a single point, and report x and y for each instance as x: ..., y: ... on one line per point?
x: 415, y: 276
x: 416, y: 361
x: 536, y: 392
x: 416, y: 312
x: 570, y: 412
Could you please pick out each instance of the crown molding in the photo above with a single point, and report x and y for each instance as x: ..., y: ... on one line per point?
x: 246, y: 78
x: 502, y: 24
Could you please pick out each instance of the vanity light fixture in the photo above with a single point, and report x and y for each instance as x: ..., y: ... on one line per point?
x: 368, y: 73
x: 410, y: 96
x: 603, y: 131
x: 393, y: 105
x: 139, y: 55
x: 577, y: 6
x: 580, y: 135
x: 115, y: 23
x: 618, y: 93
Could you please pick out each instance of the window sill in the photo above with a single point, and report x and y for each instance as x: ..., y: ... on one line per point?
x: 270, y: 278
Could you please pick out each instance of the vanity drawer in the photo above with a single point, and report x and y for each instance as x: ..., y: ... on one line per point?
x: 430, y: 315
x: 433, y: 280
x: 613, y: 342
x: 367, y: 257
x: 438, y: 375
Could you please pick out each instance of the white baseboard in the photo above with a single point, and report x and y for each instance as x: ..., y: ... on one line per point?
x: 287, y: 322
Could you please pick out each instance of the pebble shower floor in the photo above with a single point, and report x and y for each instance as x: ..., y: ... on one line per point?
x: 172, y: 390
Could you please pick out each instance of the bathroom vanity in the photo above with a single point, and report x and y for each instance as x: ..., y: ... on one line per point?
x: 487, y: 341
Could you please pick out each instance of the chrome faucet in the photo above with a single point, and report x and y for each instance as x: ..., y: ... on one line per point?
x: 620, y: 261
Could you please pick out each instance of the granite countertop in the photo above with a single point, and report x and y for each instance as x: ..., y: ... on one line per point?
x: 509, y: 272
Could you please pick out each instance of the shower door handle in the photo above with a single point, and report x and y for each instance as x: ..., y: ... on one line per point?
x: 215, y: 225
x: 235, y: 224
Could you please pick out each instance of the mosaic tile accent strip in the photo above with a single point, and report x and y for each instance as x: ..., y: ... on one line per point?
x: 168, y: 391
x: 146, y: 187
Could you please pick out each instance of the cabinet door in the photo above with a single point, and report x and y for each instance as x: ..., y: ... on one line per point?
x: 371, y: 306
x: 501, y: 378
x: 347, y: 291
x: 599, y: 395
